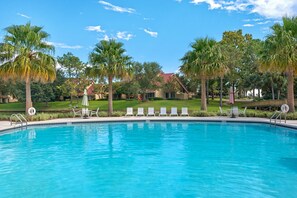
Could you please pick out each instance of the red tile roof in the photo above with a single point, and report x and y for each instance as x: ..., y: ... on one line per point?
x: 166, y: 77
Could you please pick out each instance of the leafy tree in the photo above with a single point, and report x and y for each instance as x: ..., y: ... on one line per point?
x: 6, y: 88
x: 171, y: 86
x: 233, y: 43
x: 108, y: 60
x: 71, y: 65
x: 25, y: 55
x: 204, y: 61
x: 190, y: 84
x: 130, y: 88
x: 147, y: 75
x: 280, y: 55
x: 274, y: 86
x: 73, y: 87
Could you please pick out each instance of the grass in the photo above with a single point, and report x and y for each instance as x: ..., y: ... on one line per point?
x: 118, y: 105
x: 62, y: 109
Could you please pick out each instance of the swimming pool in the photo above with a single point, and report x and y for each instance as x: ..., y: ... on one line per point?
x: 149, y: 159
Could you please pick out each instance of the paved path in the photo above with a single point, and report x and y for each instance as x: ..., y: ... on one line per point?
x: 6, y: 124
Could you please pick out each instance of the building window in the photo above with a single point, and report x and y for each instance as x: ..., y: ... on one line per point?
x: 150, y: 95
x: 170, y: 95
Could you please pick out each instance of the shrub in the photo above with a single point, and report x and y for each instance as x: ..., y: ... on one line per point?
x: 203, y: 114
x: 118, y: 114
x: 102, y: 114
x: 259, y: 114
x: 4, y: 116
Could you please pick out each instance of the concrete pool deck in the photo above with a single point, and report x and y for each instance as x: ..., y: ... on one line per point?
x: 5, y: 125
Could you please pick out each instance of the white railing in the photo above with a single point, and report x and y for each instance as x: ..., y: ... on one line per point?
x: 18, y: 119
x: 278, y: 115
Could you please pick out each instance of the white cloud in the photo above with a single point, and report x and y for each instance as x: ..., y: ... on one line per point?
x: 179, y: 1
x: 151, y: 33
x: 263, y: 22
x: 23, y: 15
x: 94, y: 28
x: 109, y: 6
x: 212, y: 3
x: 275, y: 8
x: 248, y: 25
x: 64, y: 46
x: 265, y: 8
x: 124, y: 35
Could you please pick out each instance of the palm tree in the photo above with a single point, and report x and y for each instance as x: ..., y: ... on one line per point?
x: 25, y: 55
x: 108, y: 59
x: 204, y: 61
x: 279, y: 54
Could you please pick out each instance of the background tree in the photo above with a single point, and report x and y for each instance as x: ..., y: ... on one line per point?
x: 171, y: 86
x: 204, y: 61
x: 280, y: 55
x: 72, y: 66
x: 108, y: 60
x: 26, y: 55
x: 148, y: 76
x: 130, y: 88
x: 233, y: 43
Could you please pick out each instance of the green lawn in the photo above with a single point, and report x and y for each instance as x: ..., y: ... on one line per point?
x: 118, y: 105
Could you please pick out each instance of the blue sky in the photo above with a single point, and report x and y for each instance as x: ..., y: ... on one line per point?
x: 151, y: 30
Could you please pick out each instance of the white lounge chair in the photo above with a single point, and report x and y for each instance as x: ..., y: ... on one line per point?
x: 129, y: 111
x: 173, y: 111
x: 163, y: 111
x: 76, y: 113
x: 140, y: 111
x: 95, y: 113
x: 151, y: 111
x: 184, y: 111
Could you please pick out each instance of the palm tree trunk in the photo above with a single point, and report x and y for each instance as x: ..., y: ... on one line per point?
x: 207, y: 92
x: 110, y: 110
x: 203, y: 95
x: 221, y: 93
x: 290, y: 96
x: 28, y: 95
x: 272, y: 88
x: 233, y: 88
x: 259, y: 93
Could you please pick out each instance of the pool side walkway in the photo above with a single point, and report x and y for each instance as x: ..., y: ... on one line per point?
x: 4, y: 125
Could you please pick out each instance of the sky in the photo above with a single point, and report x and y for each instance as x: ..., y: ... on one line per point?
x: 151, y: 30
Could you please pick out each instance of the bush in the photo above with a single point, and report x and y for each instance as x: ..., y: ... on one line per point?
x: 4, y: 116
x: 203, y: 114
x: 102, y: 114
x: 259, y: 114
x: 118, y: 114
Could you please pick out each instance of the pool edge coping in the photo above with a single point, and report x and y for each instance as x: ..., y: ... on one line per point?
x: 149, y: 119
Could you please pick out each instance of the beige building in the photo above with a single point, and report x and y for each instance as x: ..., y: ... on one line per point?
x: 180, y: 92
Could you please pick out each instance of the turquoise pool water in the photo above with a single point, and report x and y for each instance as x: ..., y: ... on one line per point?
x: 156, y: 159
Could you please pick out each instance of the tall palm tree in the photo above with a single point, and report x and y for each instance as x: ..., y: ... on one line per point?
x: 25, y: 55
x: 279, y: 53
x: 108, y: 60
x: 204, y: 61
